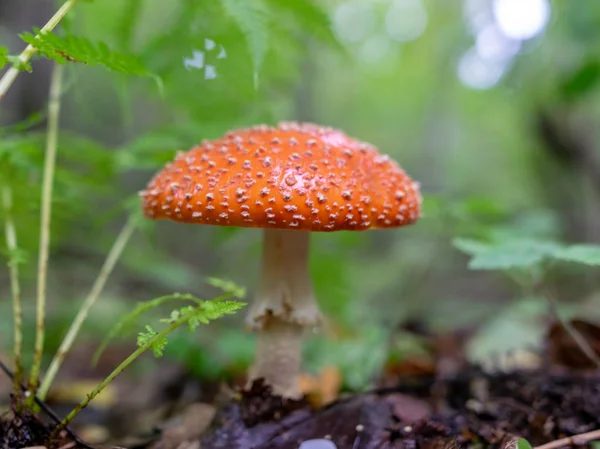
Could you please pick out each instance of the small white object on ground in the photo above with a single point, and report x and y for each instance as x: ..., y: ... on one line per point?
x: 320, y: 443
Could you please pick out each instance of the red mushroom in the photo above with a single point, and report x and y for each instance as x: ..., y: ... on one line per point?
x: 290, y: 180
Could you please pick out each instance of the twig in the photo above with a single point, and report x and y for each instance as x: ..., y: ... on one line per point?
x: 15, y: 286
x: 11, y: 74
x: 53, y: 416
x: 49, y: 164
x: 111, y: 259
x: 575, y: 440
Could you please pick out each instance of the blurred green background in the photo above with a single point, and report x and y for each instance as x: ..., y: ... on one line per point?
x: 491, y: 104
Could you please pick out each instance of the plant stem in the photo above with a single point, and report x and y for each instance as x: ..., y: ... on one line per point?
x: 108, y: 266
x: 573, y: 332
x: 11, y: 74
x: 119, y: 369
x: 11, y: 244
x: 49, y: 164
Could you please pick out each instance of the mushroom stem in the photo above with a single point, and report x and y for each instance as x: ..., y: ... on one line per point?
x: 285, y: 304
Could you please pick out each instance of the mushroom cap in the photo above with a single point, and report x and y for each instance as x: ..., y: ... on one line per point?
x: 292, y: 176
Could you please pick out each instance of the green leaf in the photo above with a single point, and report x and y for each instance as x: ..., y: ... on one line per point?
x: 520, y: 254
x: 312, y: 17
x: 471, y: 246
x: 156, y: 346
x: 523, y: 444
x: 583, y: 253
x: 582, y: 81
x: 5, y: 59
x: 79, y: 49
x: 252, y: 17
x: 33, y: 119
x: 513, y: 253
x: 227, y: 286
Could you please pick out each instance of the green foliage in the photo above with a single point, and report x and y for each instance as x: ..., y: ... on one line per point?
x: 582, y: 81
x: 150, y: 337
x: 524, y: 444
x: 201, y: 312
x: 16, y: 257
x: 583, y: 254
x: 5, y: 59
x: 227, y: 286
x: 80, y: 49
x: 83, y: 173
x: 311, y: 16
x: 252, y: 17
x: 524, y: 253
x: 516, y: 253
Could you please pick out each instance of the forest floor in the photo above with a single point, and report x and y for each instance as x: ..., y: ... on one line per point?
x: 439, y: 401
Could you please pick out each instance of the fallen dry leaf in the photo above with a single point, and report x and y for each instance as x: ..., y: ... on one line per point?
x: 322, y: 389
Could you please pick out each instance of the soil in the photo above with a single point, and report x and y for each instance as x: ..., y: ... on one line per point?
x: 424, y: 408
x: 477, y: 410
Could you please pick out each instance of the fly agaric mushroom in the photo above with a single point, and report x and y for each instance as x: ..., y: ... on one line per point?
x: 289, y: 180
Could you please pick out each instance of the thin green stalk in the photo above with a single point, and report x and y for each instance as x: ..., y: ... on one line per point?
x: 11, y: 244
x: 119, y: 369
x: 49, y: 164
x: 109, y: 264
x: 11, y: 74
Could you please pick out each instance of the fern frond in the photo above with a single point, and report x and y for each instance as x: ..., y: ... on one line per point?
x: 200, y: 312
x: 129, y: 320
x: 253, y: 18
x: 79, y: 49
x: 227, y: 286
x: 157, y: 345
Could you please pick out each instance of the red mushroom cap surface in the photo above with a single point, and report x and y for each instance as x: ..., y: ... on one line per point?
x: 293, y: 176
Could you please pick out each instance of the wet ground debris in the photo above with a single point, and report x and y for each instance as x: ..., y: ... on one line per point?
x: 480, y: 410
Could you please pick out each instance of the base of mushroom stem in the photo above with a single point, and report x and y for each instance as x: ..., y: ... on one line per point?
x: 278, y: 357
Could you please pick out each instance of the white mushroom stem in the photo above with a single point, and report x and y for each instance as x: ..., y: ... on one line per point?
x: 284, y: 306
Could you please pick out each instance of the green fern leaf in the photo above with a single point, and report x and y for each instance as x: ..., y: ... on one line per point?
x: 253, y: 19
x: 200, y: 312
x: 129, y: 320
x: 203, y: 313
x: 227, y: 286
x: 79, y: 49
x: 157, y: 345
